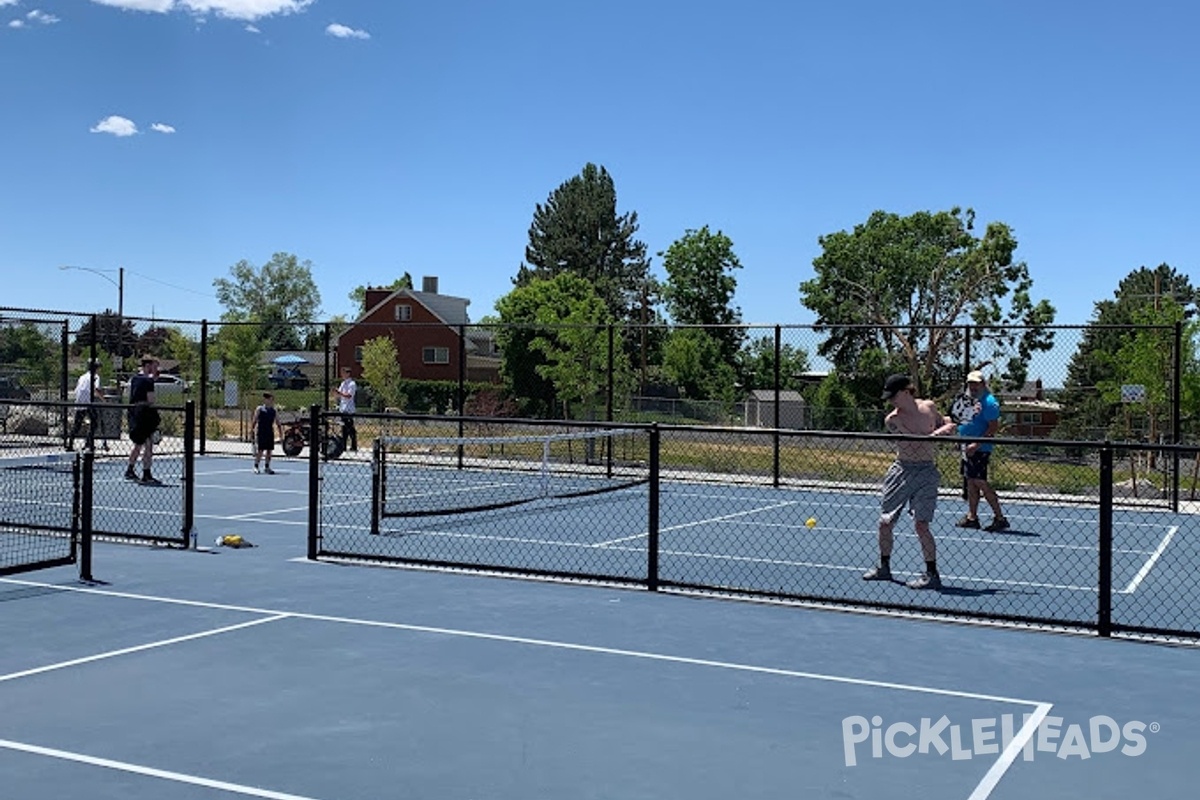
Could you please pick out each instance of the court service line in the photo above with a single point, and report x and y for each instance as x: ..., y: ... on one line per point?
x: 138, y: 648
x: 1149, y: 565
x: 707, y: 521
x: 150, y: 772
x: 645, y: 655
x: 1000, y: 765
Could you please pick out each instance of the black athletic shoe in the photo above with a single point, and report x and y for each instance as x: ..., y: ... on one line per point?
x: 927, y: 580
x: 968, y: 522
x: 878, y: 574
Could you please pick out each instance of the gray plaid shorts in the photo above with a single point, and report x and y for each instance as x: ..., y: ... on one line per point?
x: 912, y: 482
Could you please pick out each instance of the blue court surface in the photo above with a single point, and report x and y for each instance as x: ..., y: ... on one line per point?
x: 256, y: 673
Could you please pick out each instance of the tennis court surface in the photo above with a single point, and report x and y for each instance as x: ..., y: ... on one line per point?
x: 261, y: 673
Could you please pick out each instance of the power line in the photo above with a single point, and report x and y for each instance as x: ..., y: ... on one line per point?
x: 171, y: 285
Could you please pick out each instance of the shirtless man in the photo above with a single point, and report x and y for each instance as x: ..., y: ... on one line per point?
x: 913, y: 478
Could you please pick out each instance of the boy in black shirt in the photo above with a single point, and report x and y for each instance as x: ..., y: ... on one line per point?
x: 262, y: 430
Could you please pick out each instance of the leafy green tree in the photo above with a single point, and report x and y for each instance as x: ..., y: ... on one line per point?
x: 555, y: 345
x: 32, y: 349
x: 693, y: 361
x: 184, y: 350
x: 281, y: 294
x: 579, y: 231
x: 892, y: 291
x: 358, y: 295
x: 756, y: 364
x: 1086, y: 412
x: 381, y: 369
x: 1146, y: 358
x: 113, y: 335
x: 835, y: 407
x: 700, y: 286
x: 240, y: 346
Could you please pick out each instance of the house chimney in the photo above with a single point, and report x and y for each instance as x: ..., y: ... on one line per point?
x: 429, y: 283
x: 374, y: 297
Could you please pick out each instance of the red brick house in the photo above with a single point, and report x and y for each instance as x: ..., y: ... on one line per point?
x: 425, y: 327
x: 1027, y: 412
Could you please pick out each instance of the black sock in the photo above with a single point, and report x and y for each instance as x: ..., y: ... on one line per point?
x: 931, y: 567
x: 885, y: 562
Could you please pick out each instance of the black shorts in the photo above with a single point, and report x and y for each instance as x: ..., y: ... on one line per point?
x: 975, y: 466
x: 143, y: 422
x: 265, y: 442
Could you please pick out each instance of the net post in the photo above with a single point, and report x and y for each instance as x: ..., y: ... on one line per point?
x: 314, y: 478
x: 81, y: 518
x: 1104, y: 611
x: 376, y: 484
x: 652, y: 513
x: 189, y: 469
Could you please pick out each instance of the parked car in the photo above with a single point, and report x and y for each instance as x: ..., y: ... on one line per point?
x: 288, y: 378
x: 11, y: 389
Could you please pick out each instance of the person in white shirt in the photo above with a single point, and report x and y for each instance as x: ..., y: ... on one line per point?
x: 87, y: 392
x: 345, y: 393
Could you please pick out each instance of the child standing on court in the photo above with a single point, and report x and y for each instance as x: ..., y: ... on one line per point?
x: 262, y: 431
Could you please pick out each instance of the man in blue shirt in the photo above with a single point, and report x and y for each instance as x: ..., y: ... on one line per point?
x: 976, y: 455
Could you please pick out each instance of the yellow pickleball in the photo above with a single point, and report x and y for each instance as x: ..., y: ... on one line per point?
x: 810, y: 523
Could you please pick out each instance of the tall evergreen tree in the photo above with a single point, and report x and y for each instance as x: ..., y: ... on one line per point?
x: 578, y: 230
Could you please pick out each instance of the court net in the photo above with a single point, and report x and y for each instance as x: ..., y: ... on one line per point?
x: 39, y: 510
x: 434, y: 476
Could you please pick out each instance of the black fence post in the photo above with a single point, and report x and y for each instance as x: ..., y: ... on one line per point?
x: 325, y: 375
x: 82, y: 519
x: 652, y: 514
x: 376, y: 487
x: 609, y: 376
x: 1104, y: 612
x: 462, y: 387
x: 65, y: 412
x: 775, y: 436
x: 315, y: 424
x: 203, y: 386
x: 1176, y: 414
x: 189, y: 469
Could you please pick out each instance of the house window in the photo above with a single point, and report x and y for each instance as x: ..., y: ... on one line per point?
x: 436, y: 355
x: 403, y: 312
x: 358, y: 354
x: 1030, y: 417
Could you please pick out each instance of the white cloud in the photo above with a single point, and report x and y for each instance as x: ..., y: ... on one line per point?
x: 117, y: 126
x: 41, y: 16
x: 16, y: 23
x: 248, y: 10
x: 156, y: 6
x: 4, y: 3
x: 252, y: 29
x: 343, y: 32
x: 162, y: 128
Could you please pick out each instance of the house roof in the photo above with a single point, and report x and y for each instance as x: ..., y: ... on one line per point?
x: 447, y: 308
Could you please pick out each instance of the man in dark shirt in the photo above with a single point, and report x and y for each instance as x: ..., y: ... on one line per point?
x: 143, y: 422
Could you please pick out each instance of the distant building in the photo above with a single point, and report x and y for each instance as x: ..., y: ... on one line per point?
x: 760, y: 409
x: 1025, y: 412
x: 431, y: 332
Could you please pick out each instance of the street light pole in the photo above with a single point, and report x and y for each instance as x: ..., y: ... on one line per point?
x: 120, y: 284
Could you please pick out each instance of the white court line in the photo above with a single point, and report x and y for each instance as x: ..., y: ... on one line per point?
x: 271, y: 614
x: 1149, y: 565
x: 722, y: 518
x: 150, y: 772
x: 981, y: 792
x: 150, y: 646
x: 1018, y: 742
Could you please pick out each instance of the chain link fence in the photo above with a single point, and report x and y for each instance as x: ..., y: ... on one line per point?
x: 1086, y: 542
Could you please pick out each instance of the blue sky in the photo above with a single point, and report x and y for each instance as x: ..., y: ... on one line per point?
x: 373, y: 137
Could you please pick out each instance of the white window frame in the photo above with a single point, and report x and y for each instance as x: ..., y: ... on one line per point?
x: 403, y: 312
x: 430, y: 355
